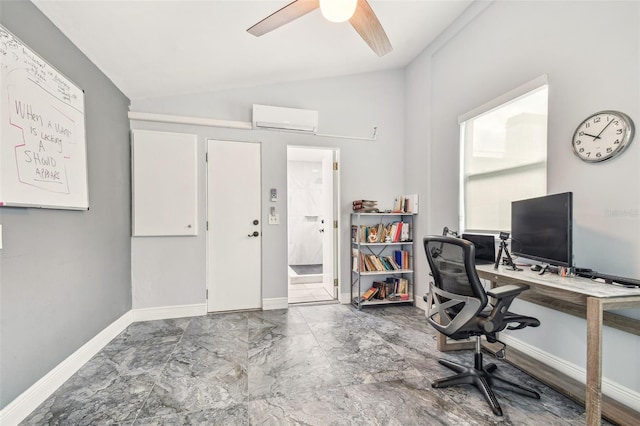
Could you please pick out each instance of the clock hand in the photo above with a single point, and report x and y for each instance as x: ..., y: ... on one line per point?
x: 603, y: 129
x: 593, y: 136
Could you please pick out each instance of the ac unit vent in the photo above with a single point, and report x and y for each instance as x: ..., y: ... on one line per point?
x: 279, y: 118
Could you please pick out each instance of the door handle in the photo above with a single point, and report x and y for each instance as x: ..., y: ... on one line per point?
x: 255, y: 234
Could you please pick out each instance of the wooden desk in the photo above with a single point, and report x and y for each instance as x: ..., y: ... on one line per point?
x: 577, y: 296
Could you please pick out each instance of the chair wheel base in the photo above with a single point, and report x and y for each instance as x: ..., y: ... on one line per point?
x: 484, y: 380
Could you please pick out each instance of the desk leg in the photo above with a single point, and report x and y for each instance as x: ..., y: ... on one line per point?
x: 593, y: 397
x: 441, y: 341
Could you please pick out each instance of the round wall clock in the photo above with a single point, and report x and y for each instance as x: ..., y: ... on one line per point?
x: 602, y: 136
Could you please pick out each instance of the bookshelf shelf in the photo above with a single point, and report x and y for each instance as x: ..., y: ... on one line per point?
x: 382, y: 244
x: 384, y: 214
x: 388, y: 272
x: 380, y: 302
x: 382, y: 258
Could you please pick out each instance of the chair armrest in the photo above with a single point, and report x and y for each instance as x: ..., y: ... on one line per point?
x: 507, y: 290
x: 504, y: 296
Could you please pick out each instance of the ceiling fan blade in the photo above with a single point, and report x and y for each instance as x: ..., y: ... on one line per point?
x: 366, y: 23
x: 290, y: 12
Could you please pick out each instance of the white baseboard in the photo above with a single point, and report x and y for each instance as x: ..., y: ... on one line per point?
x: 167, y: 312
x: 420, y: 303
x: 620, y: 393
x: 275, y: 303
x: 18, y: 409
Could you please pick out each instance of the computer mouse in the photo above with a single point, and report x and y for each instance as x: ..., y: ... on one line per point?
x: 536, y: 267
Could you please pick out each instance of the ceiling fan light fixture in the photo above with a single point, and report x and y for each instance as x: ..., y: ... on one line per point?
x: 338, y: 10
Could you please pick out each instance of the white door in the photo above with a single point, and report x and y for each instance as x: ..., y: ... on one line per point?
x: 328, y: 216
x: 234, y: 227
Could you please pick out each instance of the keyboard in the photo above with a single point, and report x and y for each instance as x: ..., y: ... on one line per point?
x: 610, y: 279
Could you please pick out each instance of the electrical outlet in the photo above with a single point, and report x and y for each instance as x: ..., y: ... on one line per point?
x: 274, y: 219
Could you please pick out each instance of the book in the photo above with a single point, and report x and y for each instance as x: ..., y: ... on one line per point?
x: 378, y: 263
x: 411, y: 203
x: 369, y: 265
x: 372, y: 235
x: 398, y: 205
x: 367, y: 203
x: 355, y: 267
x: 403, y: 286
x: 405, y: 233
x: 365, y: 206
x: 384, y: 232
x: 368, y: 295
x: 406, y: 204
x: 396, y: 237
x: 366, y: 210
x: 382, y: 290
x: 402, y: 258
x: 385, y: 263
x: 397, y: 256
x: 392, y: 262
x: 391, y: 288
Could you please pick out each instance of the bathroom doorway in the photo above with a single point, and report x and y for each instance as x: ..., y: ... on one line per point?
x: 312, y: 188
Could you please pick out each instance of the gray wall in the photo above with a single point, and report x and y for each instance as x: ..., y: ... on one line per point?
x: 349, y: 106
x: 591, y: 66
x: 65, y: 275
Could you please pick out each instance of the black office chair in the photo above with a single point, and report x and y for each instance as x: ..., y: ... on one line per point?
x: 458, y: 307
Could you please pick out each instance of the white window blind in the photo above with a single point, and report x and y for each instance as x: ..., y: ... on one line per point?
x: 503, y: 156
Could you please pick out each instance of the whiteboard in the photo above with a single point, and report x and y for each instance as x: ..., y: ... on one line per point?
x: 165, y: 183
x: 43, y: 160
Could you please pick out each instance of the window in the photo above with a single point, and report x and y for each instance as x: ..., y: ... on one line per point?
x: 503, y: 156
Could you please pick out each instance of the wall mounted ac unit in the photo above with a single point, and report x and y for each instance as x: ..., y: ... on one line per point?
x: 279, y: 118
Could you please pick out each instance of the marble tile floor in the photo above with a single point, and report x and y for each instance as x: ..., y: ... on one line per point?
x: 308, y: 292
x: 307, y: 365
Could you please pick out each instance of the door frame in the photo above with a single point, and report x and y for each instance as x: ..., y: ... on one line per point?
x: 337, y: 267
x: 209, y: 234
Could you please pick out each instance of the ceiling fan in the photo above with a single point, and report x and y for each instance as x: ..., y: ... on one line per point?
x: 357, y: 12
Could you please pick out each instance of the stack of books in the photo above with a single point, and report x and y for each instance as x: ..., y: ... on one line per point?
x: 393, y: 232
x: 390, y: 289
x: 365, y: 206
x: 371, y: 263
x: 402, y: 258
x: 406, y: 204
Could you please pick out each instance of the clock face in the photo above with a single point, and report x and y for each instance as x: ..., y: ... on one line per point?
x: 602, y: 136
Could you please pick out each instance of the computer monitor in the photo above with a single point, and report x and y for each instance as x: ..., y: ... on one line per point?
x: 485, y: 247
x: 542, y: 228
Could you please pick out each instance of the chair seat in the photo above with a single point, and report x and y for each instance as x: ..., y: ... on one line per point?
x: 473, y: 328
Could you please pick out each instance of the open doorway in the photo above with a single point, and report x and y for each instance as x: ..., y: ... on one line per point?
x: 312, y: 182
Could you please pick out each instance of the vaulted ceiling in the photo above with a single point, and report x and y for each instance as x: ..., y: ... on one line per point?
x: 157, y: 48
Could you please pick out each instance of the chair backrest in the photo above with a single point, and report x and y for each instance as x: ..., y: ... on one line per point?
x: 456, y: 295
